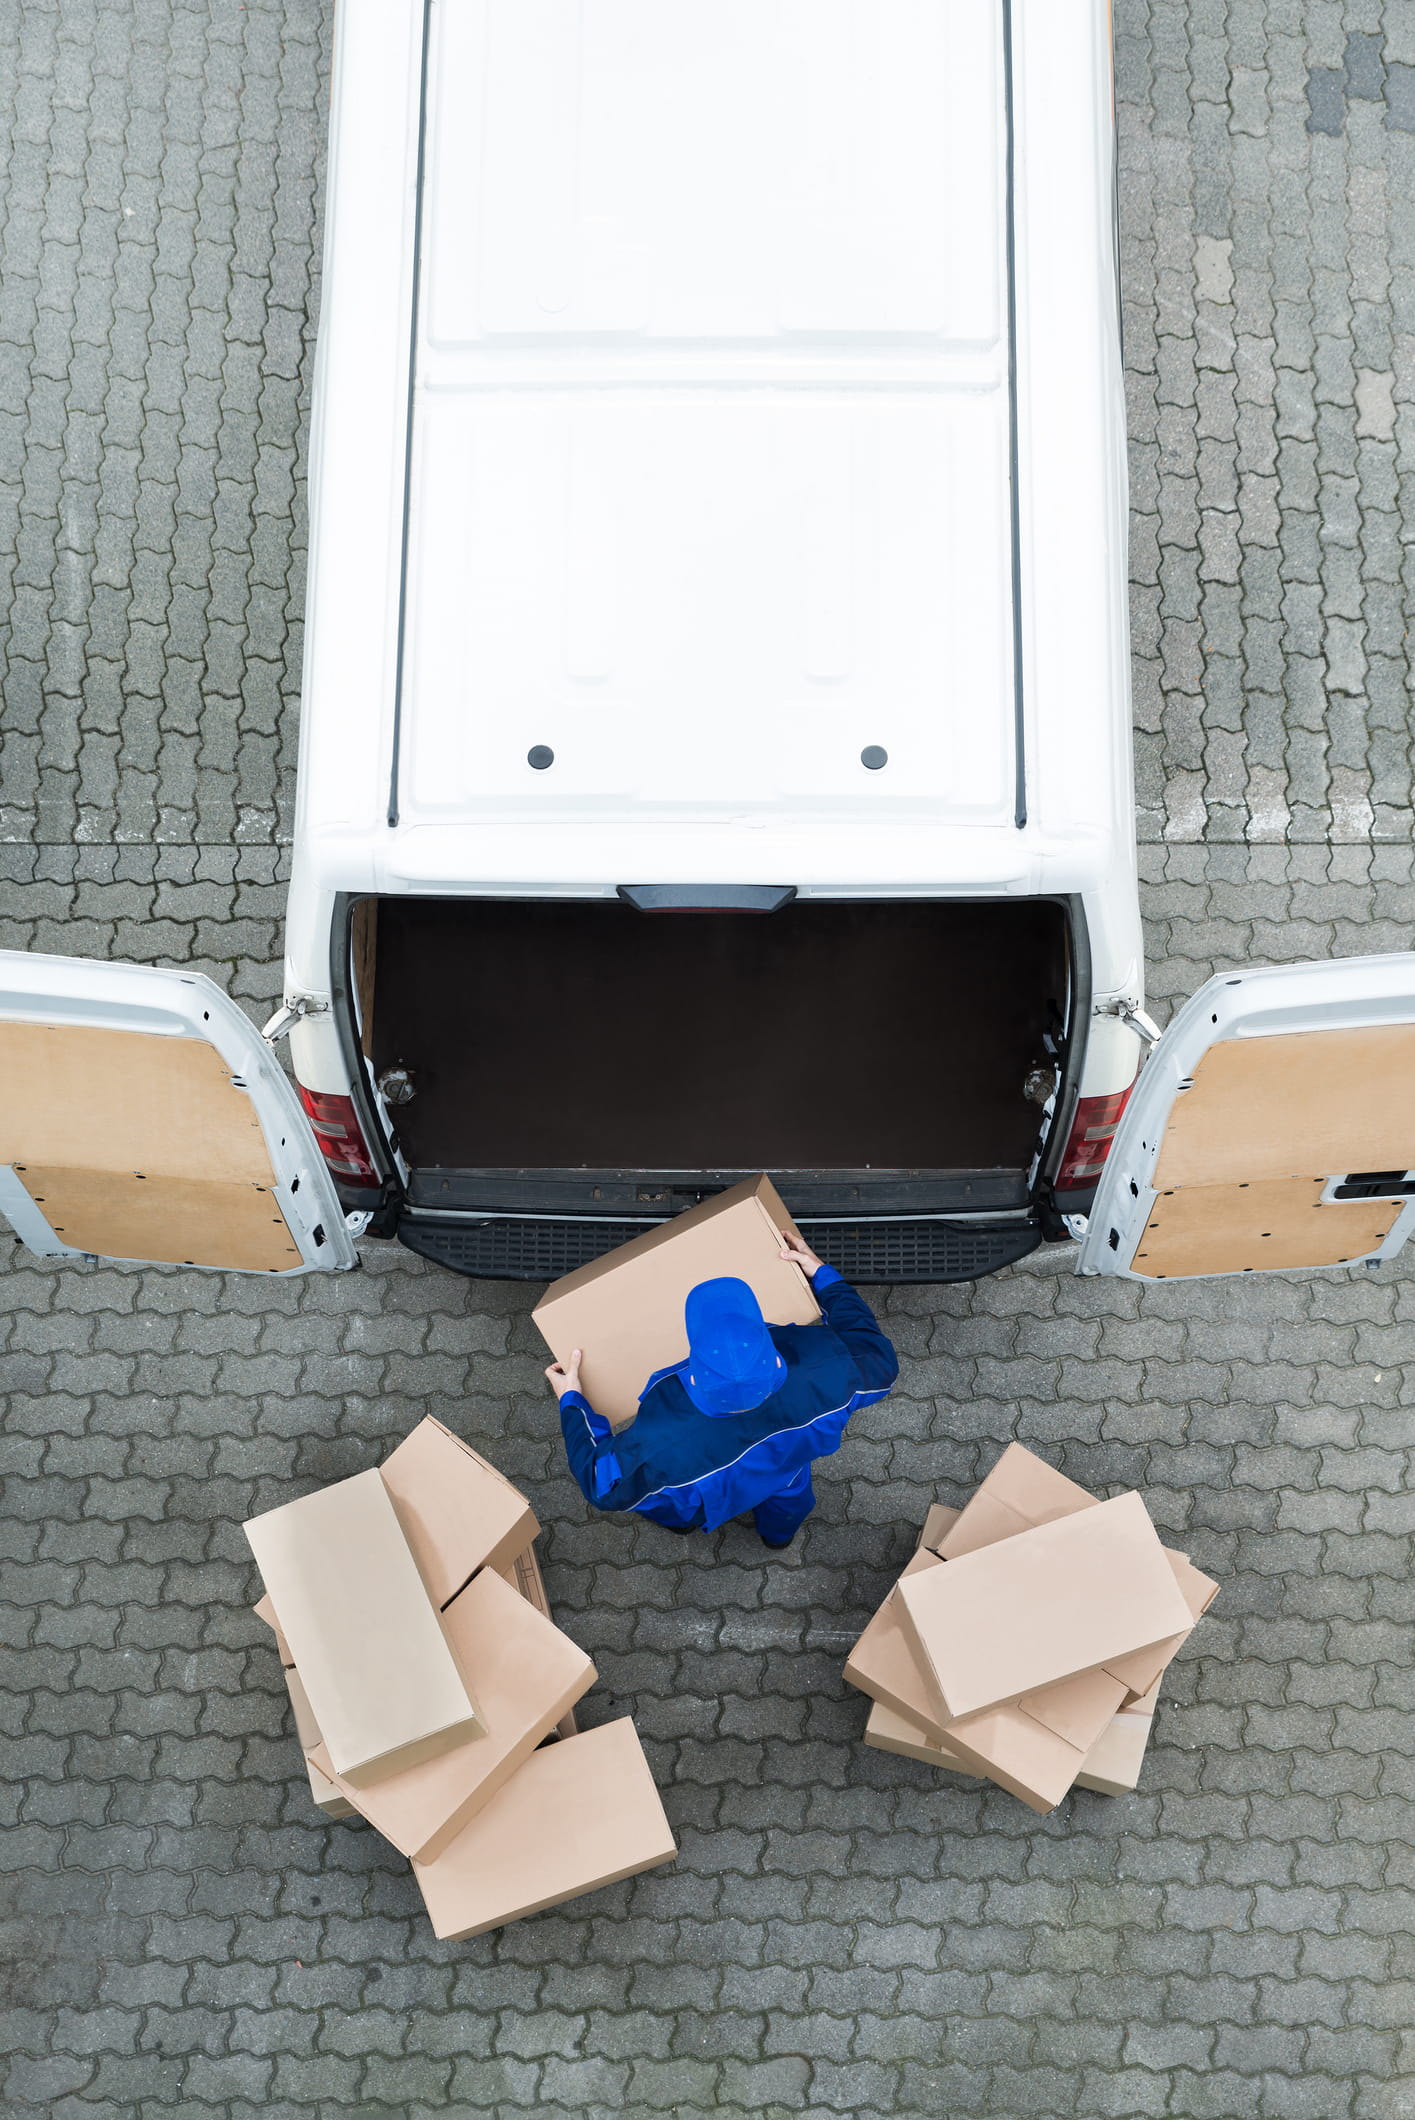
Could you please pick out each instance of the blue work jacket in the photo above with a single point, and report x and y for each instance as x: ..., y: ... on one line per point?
x: 694, y: 1471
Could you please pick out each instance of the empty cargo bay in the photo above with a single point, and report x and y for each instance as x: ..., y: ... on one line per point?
x: 830, y: 1035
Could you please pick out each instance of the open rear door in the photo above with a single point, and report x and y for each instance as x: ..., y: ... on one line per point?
x: 1272, y: 1127
x: 143, y: 1117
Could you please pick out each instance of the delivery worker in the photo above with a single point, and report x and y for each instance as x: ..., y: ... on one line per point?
x: 736, y: 1424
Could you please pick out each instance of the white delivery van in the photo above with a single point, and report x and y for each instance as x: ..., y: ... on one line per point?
x: 715, y: 749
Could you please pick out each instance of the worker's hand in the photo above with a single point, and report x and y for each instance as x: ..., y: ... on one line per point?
x: 796, y: 1248
x: 564, y: 1376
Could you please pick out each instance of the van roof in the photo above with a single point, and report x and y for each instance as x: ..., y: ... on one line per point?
x: 708, y: 548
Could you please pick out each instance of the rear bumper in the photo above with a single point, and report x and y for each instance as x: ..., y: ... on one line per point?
x: 866, y: 1249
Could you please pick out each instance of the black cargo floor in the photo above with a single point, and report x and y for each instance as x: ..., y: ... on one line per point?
x: 827, y: 1035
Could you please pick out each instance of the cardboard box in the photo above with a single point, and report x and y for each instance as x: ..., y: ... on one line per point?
x: 577, y: 1816
x: 524, y: 1672
x: 381, y: 1679
x: 625, y: 1310
x: 325, y: 1796
x: 457, y: 1512
x: 1113, y: 1764
x: 265, y: 1611
x: 524, y: 1576
x: 1022, y: 1491
x: 1048, y: 1603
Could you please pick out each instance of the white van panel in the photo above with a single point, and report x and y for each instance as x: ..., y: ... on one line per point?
x: 782, y: 222
x: 712, y: 454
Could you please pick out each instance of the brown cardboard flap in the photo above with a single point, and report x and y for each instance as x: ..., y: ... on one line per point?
x: 1046, y: 1604
x: 306, y: 1728
x: 1076, y: 1709
x: 381, y: 1679
x: 265, y: 1611
x: 1112, y: 1766
x: 1280, y: 1222
x: 888, y: 1731
x: 523, y: 1673
x: 577, y: 1816
x: 524, y: 1576
x: 937, y: 1525
x: 1021, y: 1490
x: 179, y: 1221
x: 1293, y: 1105
x: 625, y: 1310
x: 457, y: 1512
x: 885, y: 1663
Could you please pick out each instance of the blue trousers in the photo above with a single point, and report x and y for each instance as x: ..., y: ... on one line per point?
x: 783, y: 1513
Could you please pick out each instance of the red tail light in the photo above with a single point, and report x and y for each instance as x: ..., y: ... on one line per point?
x: 1092, y: 1131
x: 341, y: 1143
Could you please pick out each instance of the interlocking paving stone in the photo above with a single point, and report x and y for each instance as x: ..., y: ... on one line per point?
x: 844, y: 1932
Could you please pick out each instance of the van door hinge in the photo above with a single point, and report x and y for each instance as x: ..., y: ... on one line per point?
x: 1131, y: 1014
x: 288, y: 1015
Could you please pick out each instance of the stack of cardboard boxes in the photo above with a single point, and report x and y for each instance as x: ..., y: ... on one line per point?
x: 1027, y: 1637
x: 426, y: 1674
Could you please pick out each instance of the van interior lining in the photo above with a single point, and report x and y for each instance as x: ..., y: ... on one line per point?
x: 829, y: 1035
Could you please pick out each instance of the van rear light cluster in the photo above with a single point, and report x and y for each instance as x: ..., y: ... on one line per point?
x: 1092, y: 1131
x: 341, y: 1142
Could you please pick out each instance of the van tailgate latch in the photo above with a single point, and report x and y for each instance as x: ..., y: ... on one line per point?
x: 288, y: 1015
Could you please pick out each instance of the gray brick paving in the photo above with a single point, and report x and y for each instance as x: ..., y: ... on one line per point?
x: 843, y: 1932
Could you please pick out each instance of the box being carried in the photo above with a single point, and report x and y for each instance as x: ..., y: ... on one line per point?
x: 625, y: 1310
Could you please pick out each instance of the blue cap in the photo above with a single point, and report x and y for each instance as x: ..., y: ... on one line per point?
x: 732, y: 1362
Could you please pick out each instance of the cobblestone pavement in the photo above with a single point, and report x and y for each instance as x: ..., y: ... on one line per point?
x: 843, y: 1933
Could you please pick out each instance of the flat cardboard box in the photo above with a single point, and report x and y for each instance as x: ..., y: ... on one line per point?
x: 1048, y: 1603
x: 1022, y: 1491
x: 265, y: 1611
x: 381, y: 1679
x: 525, y: 1673
x: 1034, y: 1748
x: 577, y: 1816
x: 458, y: 1513
x: 524, y: 1576
x: 625, y: 1310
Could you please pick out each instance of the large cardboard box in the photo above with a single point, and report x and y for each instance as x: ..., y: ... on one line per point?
x: 1047, y: 1603
x: 1034, y: 1748
x: 524, y: 1673
x: 1023, y: 1491
x: 382, y: 1682
x: 625, y: 1310
x: 577, y: 1816
x: 457, y: 1512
